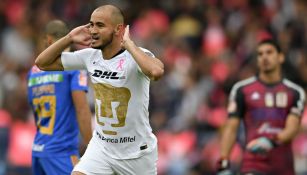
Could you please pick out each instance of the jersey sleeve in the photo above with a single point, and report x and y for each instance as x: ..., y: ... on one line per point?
x: 236, y: 105
x: 73, y: 60
x: 79, y: 81
x: 29, y: 88
x: 299, y: 102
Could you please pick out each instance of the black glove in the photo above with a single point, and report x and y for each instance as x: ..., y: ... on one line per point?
x: 223, y: 167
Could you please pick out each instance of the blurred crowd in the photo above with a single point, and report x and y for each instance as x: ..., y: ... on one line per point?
x: 206, y: 46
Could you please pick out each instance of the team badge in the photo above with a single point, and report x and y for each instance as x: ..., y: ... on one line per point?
x: 82, y: 78
x: 255, y: 96
x: 269, y: 100
x: 281, y: 99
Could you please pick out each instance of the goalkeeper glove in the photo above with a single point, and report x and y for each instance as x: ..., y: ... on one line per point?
x: 261, y: 145
x: 223, y: 167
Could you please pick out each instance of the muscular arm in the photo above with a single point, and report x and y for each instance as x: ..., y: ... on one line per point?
x: 229, y: 136
x: 291, y: 129
x: 151, y: 67
x: 49, y: 59
x: 292, y: 124
x: 83, y: 114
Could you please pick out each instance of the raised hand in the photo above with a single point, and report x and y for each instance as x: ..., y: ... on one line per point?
x: 126, y: 37
x: 81, y: 35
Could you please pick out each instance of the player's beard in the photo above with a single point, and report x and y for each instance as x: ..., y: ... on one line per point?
x: 107, y: 41
x: 266, y: 67
x: 270, y: 70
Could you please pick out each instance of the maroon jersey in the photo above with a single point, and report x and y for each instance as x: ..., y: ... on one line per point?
x: 264, y: 109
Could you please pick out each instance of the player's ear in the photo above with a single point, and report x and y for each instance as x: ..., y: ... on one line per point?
x: 281, y: 58
x: 120, y: 29
x: 49, y: 39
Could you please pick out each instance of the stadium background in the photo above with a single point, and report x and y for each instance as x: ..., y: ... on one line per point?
x: 206, y: 46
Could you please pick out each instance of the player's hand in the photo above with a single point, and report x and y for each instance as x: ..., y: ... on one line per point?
x: 81, y: 35
x: 223, y: 167
x: 261, y: 145
x: 126, y: 38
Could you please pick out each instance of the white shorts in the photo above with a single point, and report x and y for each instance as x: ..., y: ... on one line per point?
x: 95, y: 162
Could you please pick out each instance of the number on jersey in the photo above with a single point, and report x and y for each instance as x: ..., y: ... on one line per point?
x: 45, y: 108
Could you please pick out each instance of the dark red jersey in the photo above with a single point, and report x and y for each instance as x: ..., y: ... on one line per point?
x: 264, y: 109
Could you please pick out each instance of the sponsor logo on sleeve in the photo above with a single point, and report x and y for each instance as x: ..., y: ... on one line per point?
x: 82, y: 78
x: 232, y: 107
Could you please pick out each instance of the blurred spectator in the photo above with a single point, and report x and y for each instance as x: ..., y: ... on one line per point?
x: 21, y: 136
x: 5, y: 123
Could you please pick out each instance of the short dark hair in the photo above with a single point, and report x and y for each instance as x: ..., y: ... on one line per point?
x: 271, y: 42
x: 116, y: 12
x: 56, y: 28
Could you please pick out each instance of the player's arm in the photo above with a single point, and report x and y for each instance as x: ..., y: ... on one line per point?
x: 227, y: 142
x: 293, y: 119
x: 291, y: 129
x: 236, y: 108
x: 83, y: 114
x: 229, y: 136
x: 151, y: 67
x: 49, y: 59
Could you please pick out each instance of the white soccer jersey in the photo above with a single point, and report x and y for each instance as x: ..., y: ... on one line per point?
x: 121, y: 101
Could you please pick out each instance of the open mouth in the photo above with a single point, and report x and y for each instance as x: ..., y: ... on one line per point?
x: 95, y: 38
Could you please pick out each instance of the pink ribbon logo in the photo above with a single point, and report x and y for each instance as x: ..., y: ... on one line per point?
x: 120, y: 64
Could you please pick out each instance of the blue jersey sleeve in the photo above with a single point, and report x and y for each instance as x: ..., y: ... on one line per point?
x: 29, y: 96
x: 79, y: 81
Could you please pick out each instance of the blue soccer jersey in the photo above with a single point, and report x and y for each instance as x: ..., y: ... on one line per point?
x: 50, y: 96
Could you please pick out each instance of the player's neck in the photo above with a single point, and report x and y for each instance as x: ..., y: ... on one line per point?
x: 270, y: 78
x: 111, y: 50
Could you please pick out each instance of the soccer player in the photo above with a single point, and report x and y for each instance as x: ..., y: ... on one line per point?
x: 59, y: 102
x: 123, y: 142
x: 270, y: 107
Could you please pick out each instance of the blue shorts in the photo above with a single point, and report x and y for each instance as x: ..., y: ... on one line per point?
x: 52, y: 165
